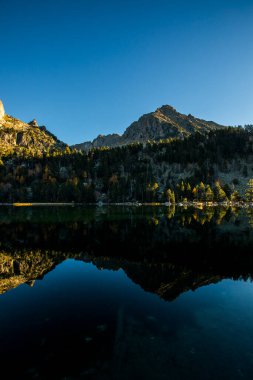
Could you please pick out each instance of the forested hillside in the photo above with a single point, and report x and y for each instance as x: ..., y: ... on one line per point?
x: 216, y: 166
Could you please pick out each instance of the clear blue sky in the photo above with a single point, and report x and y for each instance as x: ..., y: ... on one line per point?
x: 87, y: 67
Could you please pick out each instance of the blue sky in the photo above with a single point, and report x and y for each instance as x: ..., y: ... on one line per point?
x: 87, y: 67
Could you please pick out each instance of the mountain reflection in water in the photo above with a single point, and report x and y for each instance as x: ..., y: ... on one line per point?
x: 180, y: 250
x: 165, y: 251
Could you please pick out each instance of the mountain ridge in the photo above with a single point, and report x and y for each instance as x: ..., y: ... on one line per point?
x: 163, y: 123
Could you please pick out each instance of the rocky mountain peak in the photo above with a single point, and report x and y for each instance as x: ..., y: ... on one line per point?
x: 167, y: 109
x: 2, y: 112
x: 165, y: 122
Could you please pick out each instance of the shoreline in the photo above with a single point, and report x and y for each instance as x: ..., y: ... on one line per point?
x: 198, y: 205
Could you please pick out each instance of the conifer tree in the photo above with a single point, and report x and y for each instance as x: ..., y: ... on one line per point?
x: 249, y: 191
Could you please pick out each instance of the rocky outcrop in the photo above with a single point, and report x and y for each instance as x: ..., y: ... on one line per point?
x: 33, y: 123
x: 16, y: 135
x: 161, y: 124
x: 2, y: 112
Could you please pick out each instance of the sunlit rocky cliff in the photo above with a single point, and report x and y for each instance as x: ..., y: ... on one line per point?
x: 16, y: 135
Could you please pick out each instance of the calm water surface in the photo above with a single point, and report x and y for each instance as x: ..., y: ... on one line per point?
x: 120, y: 293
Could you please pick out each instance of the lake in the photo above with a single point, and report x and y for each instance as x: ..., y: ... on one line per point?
x: 126, y: 293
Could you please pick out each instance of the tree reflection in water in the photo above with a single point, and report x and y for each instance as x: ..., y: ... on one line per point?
x: 165, y: 250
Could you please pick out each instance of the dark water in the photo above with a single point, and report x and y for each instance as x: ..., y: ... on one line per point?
x: 126, y: 293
